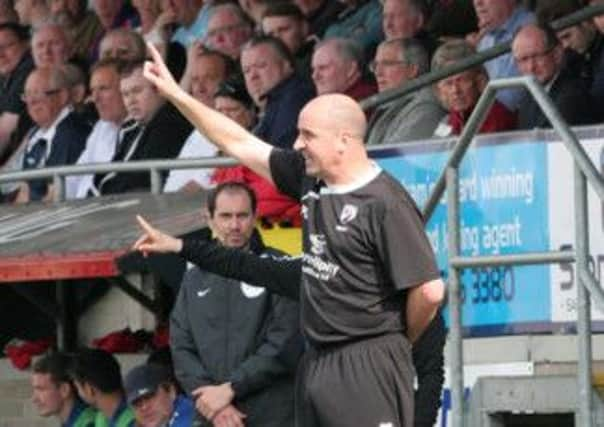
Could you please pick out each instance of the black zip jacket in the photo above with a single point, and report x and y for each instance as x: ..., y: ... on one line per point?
x: 225, y: 330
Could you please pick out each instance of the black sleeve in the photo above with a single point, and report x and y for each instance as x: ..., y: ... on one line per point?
x: 280, y: 275
x: 287, y: 170
x: 428, y: 359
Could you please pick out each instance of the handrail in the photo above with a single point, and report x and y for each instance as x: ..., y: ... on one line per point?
x: 585, y: 171
x: 472, y: 61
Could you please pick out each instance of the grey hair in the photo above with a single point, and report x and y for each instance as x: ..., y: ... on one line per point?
x: 346, y: 48
x: 454, y: 51
x: 413, y: 52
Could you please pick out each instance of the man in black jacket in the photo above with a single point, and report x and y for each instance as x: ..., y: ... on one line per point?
x: 231, y: 342
x: 156, y: 130
x: 282, y: 276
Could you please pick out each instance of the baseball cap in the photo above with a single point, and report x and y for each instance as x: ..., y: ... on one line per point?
x: 144, y: 380
x: 234, y: 88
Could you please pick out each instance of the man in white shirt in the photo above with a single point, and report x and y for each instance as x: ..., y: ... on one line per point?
x: 58, y: 136
x: 100, y: 146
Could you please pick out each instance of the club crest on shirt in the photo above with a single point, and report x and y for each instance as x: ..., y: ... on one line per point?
x: 317, y: 243
x: 349, y: 212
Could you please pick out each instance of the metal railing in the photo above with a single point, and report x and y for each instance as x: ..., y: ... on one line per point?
x: 449, y: 180
x: 153, y: 167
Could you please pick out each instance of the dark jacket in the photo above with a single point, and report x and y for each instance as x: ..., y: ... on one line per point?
x: 224, y: 330
x: 162, y: 138
x: 67, y: 145
x: 283, y: 276
x: 279, y: 125
x: 570, y: 96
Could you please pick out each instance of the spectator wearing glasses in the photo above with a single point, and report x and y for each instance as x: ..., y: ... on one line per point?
x: 228, y: 29
x: 538, y: 52
x: 15, y: 65
x: 58, y: 135
x: 337, y: 67
x: 411, y: 117
x: 460, y: 92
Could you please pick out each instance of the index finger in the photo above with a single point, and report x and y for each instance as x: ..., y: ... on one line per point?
x: 145, y: 225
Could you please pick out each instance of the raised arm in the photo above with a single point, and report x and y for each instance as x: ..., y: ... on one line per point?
x: 226, y: 134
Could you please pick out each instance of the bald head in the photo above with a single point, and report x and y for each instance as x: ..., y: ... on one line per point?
x: 330, y: 137
x: 338, y: 112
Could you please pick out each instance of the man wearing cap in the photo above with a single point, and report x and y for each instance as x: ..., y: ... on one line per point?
x: 153, y: 395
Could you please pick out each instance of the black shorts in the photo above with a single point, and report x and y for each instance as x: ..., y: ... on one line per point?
x: 367, y: 383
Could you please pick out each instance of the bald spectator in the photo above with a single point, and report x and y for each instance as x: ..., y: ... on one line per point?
x: 50, y: 45
x: 320, y: 14
x: 286, y: 22
x: 228, y: 29
x: 15, y: 65
x: 460, y: 92
x: 538, y: 52
x: 498, y: 21
x: 31, y: 12
x: 337, y: 67
x: 100, y: 145
x: 411, y: 117
x: 82, y: 25
x: 268, y: 69
x: 58, y: 136
x: 122, y: 44
x: 584, y: 45
x: 361, y: 21
x: 208, y: 71
x: 403, y: 19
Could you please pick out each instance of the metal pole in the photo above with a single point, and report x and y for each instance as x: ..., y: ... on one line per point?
x: 455, y: 306
x: 568, y: 137
x: 584, y: 412
x: 155, y: 181
x: 58, y: 183
x: 469, y: 131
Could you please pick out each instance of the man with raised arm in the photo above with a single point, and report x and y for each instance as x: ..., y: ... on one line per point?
x: 370, y: 284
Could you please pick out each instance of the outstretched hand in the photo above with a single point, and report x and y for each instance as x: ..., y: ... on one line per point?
x: 154, y: 241
x: 157, y: 72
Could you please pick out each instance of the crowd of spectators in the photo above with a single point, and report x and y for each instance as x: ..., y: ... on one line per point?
x: 73, y: 91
